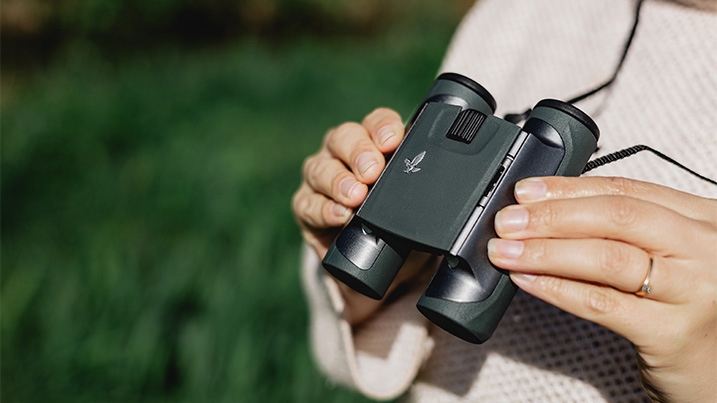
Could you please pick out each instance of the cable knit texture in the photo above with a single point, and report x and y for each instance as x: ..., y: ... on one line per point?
x: 523, y: 51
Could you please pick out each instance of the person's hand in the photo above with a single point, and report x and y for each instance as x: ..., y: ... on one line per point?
x: 585, y: 244
x: 335, y: 181
x: 336, y: 178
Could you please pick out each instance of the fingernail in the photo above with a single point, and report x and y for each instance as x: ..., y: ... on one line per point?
x: 385, y: 133
x: 522, y: 278
x: 505, y: 248
x: 365, y: 161
x: 347, y: 186
x: 339, y: 210
x: 531, y: 190
x: 511, y: 219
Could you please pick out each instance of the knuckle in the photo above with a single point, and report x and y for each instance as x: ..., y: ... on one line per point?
x: 329, y: 137
x: 553, y: 286
x: 614, y: 260
x: 374, y: 115
x: 623, y: 212
x: 314, y: 215
x: 348, y: 140
x: 380, y: 113
x: 309, y: 166
x: 381, y: 116
x: 618, y: 186
x: 594, y: 301
x: 346, y: 129
x: 296, y: 203
x: 306, y: 166
x: 538, y: 253
x: 339, y: 134
x: 308, y: 209
x: 300, y: 205
x: 599, y: 301
x: 547, y: 215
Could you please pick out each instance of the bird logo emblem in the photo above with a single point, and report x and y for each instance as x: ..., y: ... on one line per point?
x: 411, y: 165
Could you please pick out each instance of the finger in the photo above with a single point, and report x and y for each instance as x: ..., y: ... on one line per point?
x: 644, y: 224
x: 545, y: 188
x: 617, y: 264
x: 629, y: 315
x: 353, y: 146
x: 315, y: 211
x: 331, y: 178
x: 385, y: 127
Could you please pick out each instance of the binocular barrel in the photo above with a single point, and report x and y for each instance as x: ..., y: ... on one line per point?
x: 365, y: 261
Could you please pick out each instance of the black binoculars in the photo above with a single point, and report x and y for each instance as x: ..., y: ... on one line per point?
x: 439, y: 193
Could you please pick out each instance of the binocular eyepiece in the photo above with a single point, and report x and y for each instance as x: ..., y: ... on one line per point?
x: 440, y: 191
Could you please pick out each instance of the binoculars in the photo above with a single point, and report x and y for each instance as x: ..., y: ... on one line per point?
x: 439, y: 193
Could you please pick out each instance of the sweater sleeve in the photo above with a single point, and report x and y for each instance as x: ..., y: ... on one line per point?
x: 381, y: 357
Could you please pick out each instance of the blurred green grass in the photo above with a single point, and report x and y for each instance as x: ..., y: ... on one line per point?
x: 148, y: 248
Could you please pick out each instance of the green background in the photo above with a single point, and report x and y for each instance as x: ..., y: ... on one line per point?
x: 149, y: 252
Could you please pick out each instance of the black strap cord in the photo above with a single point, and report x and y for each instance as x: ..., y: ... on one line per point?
x: 519, y: 117
x: 619, y: 64
x: 617, y: 155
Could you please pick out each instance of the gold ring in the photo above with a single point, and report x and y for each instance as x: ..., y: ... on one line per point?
x: 646, y: 287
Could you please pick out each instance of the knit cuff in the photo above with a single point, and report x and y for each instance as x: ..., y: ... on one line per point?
x: 381, y: 357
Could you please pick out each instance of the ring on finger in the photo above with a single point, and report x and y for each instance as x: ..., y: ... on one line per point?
x: 646, y: 287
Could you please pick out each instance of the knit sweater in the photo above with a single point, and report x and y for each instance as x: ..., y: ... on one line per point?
x: 522, y: 51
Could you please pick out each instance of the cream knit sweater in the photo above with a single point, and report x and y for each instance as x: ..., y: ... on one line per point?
x: 524, y: 51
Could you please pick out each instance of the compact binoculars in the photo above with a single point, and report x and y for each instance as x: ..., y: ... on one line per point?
x: 439, y: 193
